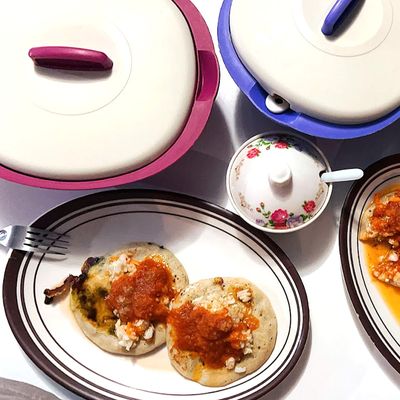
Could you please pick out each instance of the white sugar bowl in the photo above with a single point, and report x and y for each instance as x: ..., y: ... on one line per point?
x: 274, y: 182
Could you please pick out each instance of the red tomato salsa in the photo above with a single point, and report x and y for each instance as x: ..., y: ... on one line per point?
x: 212, y: 335
x: 140, y: 295
x: 386, y: 217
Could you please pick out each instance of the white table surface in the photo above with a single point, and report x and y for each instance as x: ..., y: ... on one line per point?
x: 339, y: 361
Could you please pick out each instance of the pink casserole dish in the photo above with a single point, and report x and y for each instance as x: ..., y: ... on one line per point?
x: 205, y: 93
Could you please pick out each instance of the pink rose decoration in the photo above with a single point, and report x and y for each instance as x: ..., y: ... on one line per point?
x: 309, y: 206
x: 282, y: 145
x: 253, y: 153
x: 279, y: 217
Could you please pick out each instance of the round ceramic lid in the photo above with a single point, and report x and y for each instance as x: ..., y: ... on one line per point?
x: 274, y: 182
x: 348, y: 77
x: 78, y: 125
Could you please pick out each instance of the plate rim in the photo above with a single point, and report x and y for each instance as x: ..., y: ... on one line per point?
x: 14, y: 262
x: 370, y: 172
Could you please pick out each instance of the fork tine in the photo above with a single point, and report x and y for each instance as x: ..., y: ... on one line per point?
x: 44, y: 243
x: 45, y: 237
x: 49, y: 234
x: 34, y: 240
x: 44, y: 250
x: 45, y: 240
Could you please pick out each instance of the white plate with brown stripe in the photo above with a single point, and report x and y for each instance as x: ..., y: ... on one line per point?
x: 209, y: 240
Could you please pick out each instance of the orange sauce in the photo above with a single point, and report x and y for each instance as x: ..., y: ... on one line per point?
x: 139, y: 295
x: 251, y: 321
x: 198, y: 372
x: 212, y: 335
x: 386, y: 216
x: 389, y: 293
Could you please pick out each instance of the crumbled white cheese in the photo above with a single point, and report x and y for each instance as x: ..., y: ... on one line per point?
x: 393, y: 256
x: 234, y: 299
x: 118, y: 266
x: 131, y: 340
x: 139, y: 322
x: 240, y: 370
x: 197, y: 300
x: 230, y: 363
x: 149, y: 332
x: 247, y: 350
x: 248, y: 347
x: 216, y: 299
x: 123, y: 339
x: 244, y: 295
x: 165, y: 300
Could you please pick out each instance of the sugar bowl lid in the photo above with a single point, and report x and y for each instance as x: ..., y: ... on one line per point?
x: 344, y: 73
x: 273, y: 182
x: 66, y: 123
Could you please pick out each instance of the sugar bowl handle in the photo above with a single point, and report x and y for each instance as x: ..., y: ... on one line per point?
x: 70, y: 58
x: 336, y: 13
x: 280, y: 175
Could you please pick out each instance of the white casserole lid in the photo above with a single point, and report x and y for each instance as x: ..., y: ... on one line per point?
x: 350, y: 77
x: 78, y: 125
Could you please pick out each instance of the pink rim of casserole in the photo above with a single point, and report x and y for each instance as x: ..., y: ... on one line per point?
x: 207, y: 87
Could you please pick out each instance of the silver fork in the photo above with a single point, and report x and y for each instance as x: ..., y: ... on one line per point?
x: 36, y: 240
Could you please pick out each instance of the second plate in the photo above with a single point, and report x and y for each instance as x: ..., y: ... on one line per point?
x: 377, y: 314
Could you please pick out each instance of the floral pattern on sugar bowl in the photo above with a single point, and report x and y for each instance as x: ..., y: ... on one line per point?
x: 277, y: 142
x: 282, y: 219
x: 265, y: 144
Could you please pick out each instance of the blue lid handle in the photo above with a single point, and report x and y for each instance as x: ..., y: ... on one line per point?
x: 335, y: 15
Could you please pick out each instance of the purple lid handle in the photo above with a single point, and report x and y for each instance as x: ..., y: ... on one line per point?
x: 335, y: 14
x: 71, y: 58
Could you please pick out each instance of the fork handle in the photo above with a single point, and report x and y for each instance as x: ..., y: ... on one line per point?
x: 3, y: 235
x: 70, y: 58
